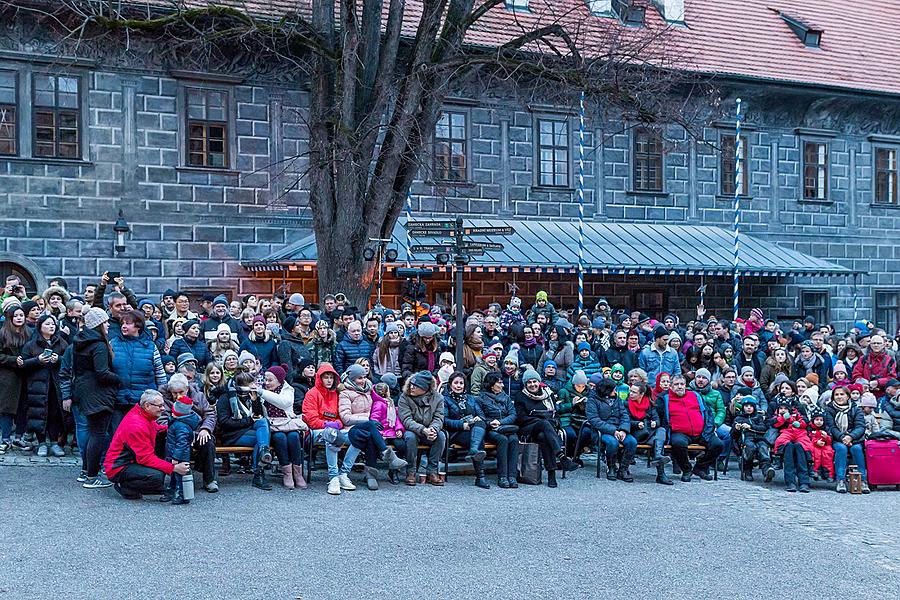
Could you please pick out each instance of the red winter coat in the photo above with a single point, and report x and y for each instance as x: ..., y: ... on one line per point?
x: 875, y: 366
x: 134, y: 442
x: 320, y: 404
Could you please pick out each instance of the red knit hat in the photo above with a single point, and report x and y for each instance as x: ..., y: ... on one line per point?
x: 182, y: 406
x: 279, y: 371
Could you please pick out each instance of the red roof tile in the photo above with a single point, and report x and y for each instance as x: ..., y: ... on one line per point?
x: 744, y: 38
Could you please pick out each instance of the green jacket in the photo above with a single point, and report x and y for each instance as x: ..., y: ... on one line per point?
x: 714, y: 402
x: 481, y: 369
x: 568, y: 411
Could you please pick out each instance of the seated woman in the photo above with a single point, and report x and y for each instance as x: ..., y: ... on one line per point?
x: 240, y: 422
x: 495, y: 408
x: 846, y: 424
x: 536, y: 417
x: 570, y: 412
x: 463, y: 426
x: 285, y: 426
x: 355, y: 407
x: 645, y: 427
x: 607, y: 416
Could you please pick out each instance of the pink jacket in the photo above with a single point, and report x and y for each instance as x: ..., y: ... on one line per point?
x: 354, y: 407
x: 387, y: 416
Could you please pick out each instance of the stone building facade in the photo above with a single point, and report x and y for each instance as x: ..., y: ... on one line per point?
x: 207, y: 170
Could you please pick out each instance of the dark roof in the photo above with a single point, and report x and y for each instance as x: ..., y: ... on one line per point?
x: 616, y: 248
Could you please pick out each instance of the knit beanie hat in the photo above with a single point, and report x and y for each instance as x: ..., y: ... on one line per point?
x: 11, y: 301
x: 515, y: 302
x: 550, y: 363
x: 512, y: 357
x: 93, y: 319
x: 188, y: 324
x: 166, y: 359
x: 868, y: 399
x: 289, y: 323
x: 297, y: 300
x: 596, y: 378
x: 704, y: 373
x: 220, y: 299
x: 228, y: 354
x: 618, y: 368
x: 660, y: 331
x: 839, y: 366
x: 223, y: 327
x: 391, y: 328
x: 390, y: 379
x: 598, y: 323
x: 755, y: 312
x: 29, y: 304
x: 182, y: 406
x: 579, y: 378
x: 446, y: 357
x: 354, y: 371
x: 427, y: 330
x: 280, y: 372
x: 584, y: 346
x: 529, y: 375
x: 422, y: 380
x: 747, y: 369
x: 245, y: 356
x: 541, y: 295
x: 673, y: 335
x: 258, y: 319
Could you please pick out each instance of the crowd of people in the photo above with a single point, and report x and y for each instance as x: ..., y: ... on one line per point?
x: 148, y: 391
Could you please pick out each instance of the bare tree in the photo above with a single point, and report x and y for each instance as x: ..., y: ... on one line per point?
x: 379, y: 71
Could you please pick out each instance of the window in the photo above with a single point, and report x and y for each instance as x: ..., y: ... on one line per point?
x: 814, y: 303
x: 553, y: 152
x: 25, y: 278
x: 207, y: 128
x: 815, y: 171
x: 885, y: 176
x: 56, y: 116
x: 8, y: 122
x: 887, y: 309
x: 648, y: 161
x: 728, y: 165
x: 653, y: 302
x: 450, y: 147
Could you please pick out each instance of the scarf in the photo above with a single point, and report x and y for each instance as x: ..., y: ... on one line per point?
x: 543, y: 396
x: 530, y: 343
x: 639, y: 409
x: 460, y: 400
x: 238, y: 409
x: 349, y: 384
x: 701, y: 391
x: 842, y: 416
x: 808, y: 364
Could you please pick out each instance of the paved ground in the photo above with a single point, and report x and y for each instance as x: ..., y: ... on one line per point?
x: 588, y: 539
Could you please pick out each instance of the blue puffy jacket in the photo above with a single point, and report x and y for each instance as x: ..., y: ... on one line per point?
x: 180, y: 436
x: 198, y: 348
x: 137, y: 363
x: 349, y: 351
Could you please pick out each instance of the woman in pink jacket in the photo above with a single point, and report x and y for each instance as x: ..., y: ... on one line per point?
x: 354, y: 407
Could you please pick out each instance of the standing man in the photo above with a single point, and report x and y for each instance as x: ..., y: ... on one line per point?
x: 657, y: 357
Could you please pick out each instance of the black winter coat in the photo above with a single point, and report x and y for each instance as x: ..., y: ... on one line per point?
x: 856, y: 424
x: 623, y: 356
x: 12, y: 381
x: 94, y: 386
x: 607, y: 415
x: 42, y: 381
x: 414, y: 360
x: 291, y: 350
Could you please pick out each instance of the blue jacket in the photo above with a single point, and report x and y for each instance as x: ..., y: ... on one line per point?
x: 349, y: 351
x: 490, y: 406
x: 454, y: 414
x: 198, y: 349
x: 180, y: 436
x: 266, y: 351
x: 654, y: 362
x: 606, y: 415
x: 137, y: 363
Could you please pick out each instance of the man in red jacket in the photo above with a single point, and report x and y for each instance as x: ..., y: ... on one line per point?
x: 130, y: 462
x: 690, y: 422
x: 876, y: 366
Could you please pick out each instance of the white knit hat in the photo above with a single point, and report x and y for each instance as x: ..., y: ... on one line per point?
x: 95, y: 317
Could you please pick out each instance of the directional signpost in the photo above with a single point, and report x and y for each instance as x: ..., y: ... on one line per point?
x: 460, y: 250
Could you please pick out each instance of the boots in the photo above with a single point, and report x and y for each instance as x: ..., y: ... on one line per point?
x: 371, y: 478
x: 299, y: 481
x: 178, y: 498
x: 259, y: 479
x: 480, y: 480
x: 265, y: 456
x: 551, y: 478
x: 661, y: 477
x: 565, y: 462
x: 624, y: 474
x: 611, y: 468
x: 225, y: 469
x: 394, y: 462
x: 169, y: 492
x: 287, y: 477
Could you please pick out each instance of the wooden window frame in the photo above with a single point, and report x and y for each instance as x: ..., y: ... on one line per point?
x: 443, y: 169
x: 876, y: 308
x: 819, y: 171
x: 728, y: 165
x: 11, y: 124
x: 642, y: 162
x: 553, y: 147
x: 804, y: 309
x: 57, y: 112
x: 891, y: 175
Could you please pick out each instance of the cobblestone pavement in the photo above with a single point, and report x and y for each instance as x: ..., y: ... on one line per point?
x: 588, y: 539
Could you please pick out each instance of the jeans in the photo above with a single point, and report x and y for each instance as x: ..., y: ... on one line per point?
x: 724, y: 433
x: 611, y: 448
x: 98, y: 441
x: 137, y: 479
x: 7, y: 422
x: 435, y: 450
x: 331, y: 453
x: 81, y: 433
x: 367, y: 437
x: 571, y: 437
x: 507, y: 453
x: 258, y: 437
x: 287, y: 448
x: 796, y: 468
x: 680, y: 443
x: 840, y: 460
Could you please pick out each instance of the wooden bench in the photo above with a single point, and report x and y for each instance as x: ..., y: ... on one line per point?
x: 692, y: 448
x: 234, y: 449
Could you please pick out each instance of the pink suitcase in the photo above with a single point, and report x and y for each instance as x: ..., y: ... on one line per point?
x: 883, y: 462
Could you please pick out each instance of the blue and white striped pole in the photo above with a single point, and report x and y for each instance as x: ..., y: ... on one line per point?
x: 738, y: 180
x: 581, y: 205
x: 409, y: 256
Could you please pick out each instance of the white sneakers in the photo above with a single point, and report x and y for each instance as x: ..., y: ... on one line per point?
x: 341, y: 482
x: 334, y: 486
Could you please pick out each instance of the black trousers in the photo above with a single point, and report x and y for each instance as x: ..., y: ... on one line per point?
x: 507, y: 453
x: 136, y: 479
x: 680, y: 443
x: 544, y: 435
x: 98, y: 441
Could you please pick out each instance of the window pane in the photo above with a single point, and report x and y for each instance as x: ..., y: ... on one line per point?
x: 44, y: 83
x: 8, y: 130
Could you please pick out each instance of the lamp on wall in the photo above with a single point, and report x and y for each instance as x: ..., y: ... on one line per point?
x: 121, y: 228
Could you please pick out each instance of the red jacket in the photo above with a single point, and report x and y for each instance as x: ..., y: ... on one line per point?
x: 133, y: 443
x: 875, y: 366
x: 685, y: 415
x: 320, y: 404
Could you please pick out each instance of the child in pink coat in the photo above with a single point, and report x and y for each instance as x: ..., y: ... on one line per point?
x: 384, y: 412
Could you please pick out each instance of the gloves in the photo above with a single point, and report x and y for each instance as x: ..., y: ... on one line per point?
x: 334, y: 424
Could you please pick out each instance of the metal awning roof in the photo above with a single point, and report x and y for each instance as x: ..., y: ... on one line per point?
x: 551, y: 246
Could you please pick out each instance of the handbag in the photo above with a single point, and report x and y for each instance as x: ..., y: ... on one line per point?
x: 530, y: 468
x: 287, y: 424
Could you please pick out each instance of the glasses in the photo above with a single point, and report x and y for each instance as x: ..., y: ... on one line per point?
x: 156, y: 404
